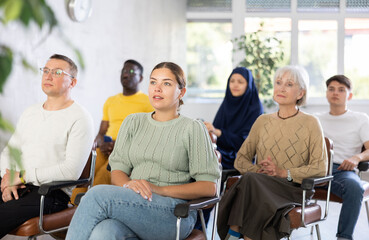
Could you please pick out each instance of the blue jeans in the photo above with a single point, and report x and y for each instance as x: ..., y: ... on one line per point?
x: 348, y: 186
x: 112, y: 212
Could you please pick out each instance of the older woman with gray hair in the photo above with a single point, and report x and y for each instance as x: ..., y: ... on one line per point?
x: 289, y: 146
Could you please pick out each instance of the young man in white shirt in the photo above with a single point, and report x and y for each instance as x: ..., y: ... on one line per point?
x: 349, y: 131
x: 55, y: 139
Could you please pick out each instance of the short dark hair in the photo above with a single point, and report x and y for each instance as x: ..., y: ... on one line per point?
x: 341, y: 79
x: 72, y: 66
x: 134, y: 62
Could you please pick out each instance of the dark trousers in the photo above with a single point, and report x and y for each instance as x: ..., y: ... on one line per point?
x: 15, y: 212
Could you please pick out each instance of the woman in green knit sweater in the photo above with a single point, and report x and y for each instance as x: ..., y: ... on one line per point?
x: 155, y: 159
x: 289, y: 146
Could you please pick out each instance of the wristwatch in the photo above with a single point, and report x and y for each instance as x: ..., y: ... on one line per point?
x: 289, y: 178
x: 21, y: 175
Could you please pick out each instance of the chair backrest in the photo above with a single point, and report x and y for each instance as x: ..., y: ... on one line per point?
x: 89, y: 169
x: 330, y: 153
x: 213, y: 139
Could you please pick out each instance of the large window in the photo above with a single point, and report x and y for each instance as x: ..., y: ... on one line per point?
x: 279, y: 28
x: 327, y: 37
x: 209, y: 58
x: 317, y: 52
x: 356, y: 54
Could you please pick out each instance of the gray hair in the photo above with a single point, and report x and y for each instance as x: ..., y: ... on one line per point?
x: 298, y: 75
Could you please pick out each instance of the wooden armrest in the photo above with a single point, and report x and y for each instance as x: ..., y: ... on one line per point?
x: 309, y: 183
x: 182, y: 209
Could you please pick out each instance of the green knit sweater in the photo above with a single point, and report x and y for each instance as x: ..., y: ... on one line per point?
x: 164, y: 153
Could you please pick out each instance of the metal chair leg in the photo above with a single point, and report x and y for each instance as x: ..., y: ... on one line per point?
x: 312, y: 230
x: 367, y: 209
x: 318, y: 231
x: 213, y: 232
x: 203, y: 225
x: 178, y: 228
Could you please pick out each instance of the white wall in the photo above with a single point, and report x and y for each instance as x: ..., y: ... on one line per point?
x: 145, y: 30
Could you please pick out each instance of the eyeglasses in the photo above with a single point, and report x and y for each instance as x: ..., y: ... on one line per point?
x: 130, y: 71
x: 54, y: 72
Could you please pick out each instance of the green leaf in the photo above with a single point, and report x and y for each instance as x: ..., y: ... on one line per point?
x: 26, y: 14
x: 28, y: 66
x: 37, y: 11
x: 2, y: 2
x: 5, y: 125
x: 15, y: 155
x: 49, y: 16
x: 6, y: 62
x: 12, y: 9
x: 79, y: 58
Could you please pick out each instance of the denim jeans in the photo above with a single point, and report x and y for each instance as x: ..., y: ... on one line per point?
x: 112, y: 212
x: 348, y: 186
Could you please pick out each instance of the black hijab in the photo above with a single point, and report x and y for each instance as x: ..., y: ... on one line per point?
x: 236, y: 115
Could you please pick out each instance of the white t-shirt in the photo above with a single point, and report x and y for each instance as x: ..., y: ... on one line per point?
x: 55, y: 145
x: 348, y: 132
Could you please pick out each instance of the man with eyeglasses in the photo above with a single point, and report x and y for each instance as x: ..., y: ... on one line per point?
x: 55, y: 138
x: 115, y: 110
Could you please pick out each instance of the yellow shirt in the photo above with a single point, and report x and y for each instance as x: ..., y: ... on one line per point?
x: 118, y: 107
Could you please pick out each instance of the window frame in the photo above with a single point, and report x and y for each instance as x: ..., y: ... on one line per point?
x: 239, y: 13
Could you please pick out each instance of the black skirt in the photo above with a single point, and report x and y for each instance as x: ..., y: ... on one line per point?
x: 259, y: 204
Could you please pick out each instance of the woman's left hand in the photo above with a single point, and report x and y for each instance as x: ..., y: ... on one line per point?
x: 142, y: 187
x: 267, y: 166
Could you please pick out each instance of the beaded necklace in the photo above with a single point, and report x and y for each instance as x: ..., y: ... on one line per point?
x: 284, y: 118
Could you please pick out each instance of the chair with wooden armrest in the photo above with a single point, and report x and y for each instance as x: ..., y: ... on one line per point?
x: 309, y: 213
x: 59, y: 221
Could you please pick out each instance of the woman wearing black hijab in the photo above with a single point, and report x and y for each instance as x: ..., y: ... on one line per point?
x: 236, y: 115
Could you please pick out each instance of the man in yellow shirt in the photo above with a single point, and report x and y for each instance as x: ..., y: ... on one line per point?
x: 115, y: 110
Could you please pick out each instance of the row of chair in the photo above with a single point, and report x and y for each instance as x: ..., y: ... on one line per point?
x: 308, y: 214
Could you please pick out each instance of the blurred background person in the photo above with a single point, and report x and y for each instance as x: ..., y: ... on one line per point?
x: 115, y: 110
x: 236, y: 115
